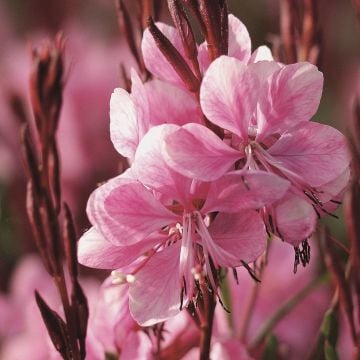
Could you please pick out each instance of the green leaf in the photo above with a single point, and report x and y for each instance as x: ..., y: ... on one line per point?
x: 329, y: 327
x: 271, y: 348
x: 330, y: 352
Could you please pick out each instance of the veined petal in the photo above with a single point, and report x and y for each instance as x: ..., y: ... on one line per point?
x: 263, y: 69
x: 141, y: 103
x: 95, y: 206
x: 197, y: 152
x: 96, y: 252
x: 332, y: 189
x: 291, y: 95
x: 124, y: 131
x: 132, y: 213
x: 242, y: 235
x: 170, y: 104
x: 228, y: 95
x: 154, y: 59
x: 152, y: 170
x: 137, y: 346
x: 239, y: 40
x: 112, y: 309
x: 155, y: 294
x: 316, y: 152
x: 260, y: 54
x: 242, y: 190
x: 295, y: 219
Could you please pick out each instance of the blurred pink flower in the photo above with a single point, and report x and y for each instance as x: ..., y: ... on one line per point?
x: 297, y: 331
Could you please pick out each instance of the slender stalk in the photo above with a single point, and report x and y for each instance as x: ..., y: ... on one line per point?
x: 207, y: 322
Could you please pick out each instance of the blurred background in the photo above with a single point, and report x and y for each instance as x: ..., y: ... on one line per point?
x: 95, y: 49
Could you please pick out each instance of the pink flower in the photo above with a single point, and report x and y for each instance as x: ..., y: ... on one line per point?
x: 264, y: 108
x: 154, y: 210
x: 150, y: 104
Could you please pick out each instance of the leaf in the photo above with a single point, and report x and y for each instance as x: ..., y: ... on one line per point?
x: 271, y: 348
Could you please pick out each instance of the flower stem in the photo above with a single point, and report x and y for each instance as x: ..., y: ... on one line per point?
x: 207, y: 322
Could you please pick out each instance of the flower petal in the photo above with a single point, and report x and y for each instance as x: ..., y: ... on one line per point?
x: 140, y: 99
x: 240, y: 190
x: 260, y: 54
x: 151, y: 169
x: 239, y: 40
x: 124, y: 132
x: 171, y: 104
x: 111, y: 310
x: 195, y: 151
x: 132, y: 213
x: 291, y: 95
x: 242, y: 235
x: 96, y: 252
x: 316, y: 152
x: 137, y: 346
x: 295, y: 219
x: 155, y: 294
x: 228, y: 95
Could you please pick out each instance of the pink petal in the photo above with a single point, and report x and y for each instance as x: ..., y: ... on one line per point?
x: 112, y: 309
x: 239, y: 44
x: 239, y: 40
x: 141, y: 103
x: 295, y: 219
x: 260, y: 54
x: 95, y: 206
x: 124, y: 132
x: 96, y: 252
x: 203, y: 57
x: 197, y: 152
x: 155, y: 293
x: 241, y: 235
x: 237, y: 191
x: 316, y: 152
x: 137, y: 346
x: 151, y: 169
x: 155, y: 61
x: 291, y: 95
x: 131, y: 214
x: 171, y: 104
x: 264, y: 69
x: 332, y: 189
x: 228, y: 95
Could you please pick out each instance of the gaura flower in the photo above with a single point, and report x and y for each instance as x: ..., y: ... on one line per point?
x: 182, y: 228
x: 264, y: 108
x: 150, y: 104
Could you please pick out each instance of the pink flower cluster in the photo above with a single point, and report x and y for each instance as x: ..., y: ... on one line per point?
x: 213, y: 175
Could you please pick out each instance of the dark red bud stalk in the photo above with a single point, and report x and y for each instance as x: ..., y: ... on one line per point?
x: 182, y: 24
x: 126, y: 27
x: 287, y: 28
x: 175, y: 59
x: 56, y: 327
x: 212, y: 14
x: 194, y: 7
x: 352, y: 201
x: 334, y: 264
